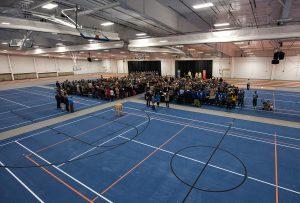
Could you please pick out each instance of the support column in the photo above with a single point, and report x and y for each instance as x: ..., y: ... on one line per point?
x: 35, y: 69
x: 10, y: 67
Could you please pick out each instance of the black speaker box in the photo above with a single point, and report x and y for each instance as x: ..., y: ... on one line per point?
x: 274, y: 61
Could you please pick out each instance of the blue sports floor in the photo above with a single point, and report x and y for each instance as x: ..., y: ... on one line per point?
x: 165, y: 155
x: 19, y: 107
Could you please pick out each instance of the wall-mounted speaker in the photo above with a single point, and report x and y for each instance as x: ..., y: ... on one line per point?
x: 274, y: 61
x: 281, y: 55
x: 276, y: 55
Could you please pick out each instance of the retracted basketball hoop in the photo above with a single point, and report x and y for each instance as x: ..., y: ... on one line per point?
x: 92, y: 34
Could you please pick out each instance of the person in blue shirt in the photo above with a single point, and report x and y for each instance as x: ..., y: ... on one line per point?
x: 157, y: 99
x: 71, y: 104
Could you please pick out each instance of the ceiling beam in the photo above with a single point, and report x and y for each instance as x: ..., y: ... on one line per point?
x: 249, y: 34
x: 101, y: 8
x: 41, y: 4
x: 286, y: 9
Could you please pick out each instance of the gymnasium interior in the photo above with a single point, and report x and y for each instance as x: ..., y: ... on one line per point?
x: 150, y: 101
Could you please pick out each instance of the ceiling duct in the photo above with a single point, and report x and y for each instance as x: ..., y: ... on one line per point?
x: 84, y: 47
x: 155, y: 50
x: 23, y: 24
x: 249, y: 34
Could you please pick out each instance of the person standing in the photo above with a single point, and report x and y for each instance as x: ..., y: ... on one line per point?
x: 58, y: 101
x: 148, y: 98
x: 248, y: 84
x: 255, y: 97
x: 167, y: 99
x: 157, y: 99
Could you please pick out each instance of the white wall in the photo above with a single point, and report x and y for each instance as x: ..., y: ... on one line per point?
x: 238, y: 67
x: 261, y: 68
x: 4, y: 66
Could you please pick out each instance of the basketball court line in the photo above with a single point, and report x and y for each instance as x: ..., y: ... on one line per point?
x: 253, y: 138
x: 68, y: 175
x: 46, y: 94
x: 27, y: 108
x: 15, y: 102
x: 141, y: 162
x: 216, y: 124
x: 43, y: 131
x: 276, y: 168
x: 60, y: 180
x: 22, y: 183
x: 212, y: 165
x: 93, y: 148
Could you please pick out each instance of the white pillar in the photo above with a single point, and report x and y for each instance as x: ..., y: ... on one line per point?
x: 10, y: 67
x: 35, y: 69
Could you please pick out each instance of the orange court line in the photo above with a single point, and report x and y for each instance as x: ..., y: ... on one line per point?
x: 276, y: 168
x: 61, y: 181
x: 142, y: 161
x: 60, y: 142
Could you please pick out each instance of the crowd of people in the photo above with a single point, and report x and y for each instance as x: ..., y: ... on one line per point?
x: 187, y: 90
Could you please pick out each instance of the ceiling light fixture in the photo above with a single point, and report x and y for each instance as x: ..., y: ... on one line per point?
x: 141, y: 34
x: 49, y: 6
x: 205, y: 5
x: 191, y: 49
x: 238, y: 43
x: 221, y: 24
x: 107, y: 23
x: 5, y: 23
x: 200, y: 52
x: 4, y: 43
x: 163, y: 41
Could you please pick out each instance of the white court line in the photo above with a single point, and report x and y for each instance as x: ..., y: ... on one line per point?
x: 22, y: 183
x: 46, y: 94
x: 14, y: 102
x: 216, y: 124
x: 29, y: 136
x: 33, y: 120
x: 113, y: 138
x: 214, y: 166
x: 28, y: 108
x: 218, y: 131
x: 74, y: 179
x: 29, y: 112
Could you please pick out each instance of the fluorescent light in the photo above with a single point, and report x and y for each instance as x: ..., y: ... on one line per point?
x: 107, y: 23
x: 179, y: 46
x: 200, y: 52
x: 106, y: 50
x: 4, y: 43
x: 221, y: 24
x: 49, y: 6
x: 191, y: 49
x: 96, y: 59
x: 5, y: 23
x: 164, y: 53
x: 140, y: 34
x: 237, y: 43
x: 205, y: 5
x: 82, y: 52
x: 163, y: 41
x: 60, y: 44
x: 122, y: 52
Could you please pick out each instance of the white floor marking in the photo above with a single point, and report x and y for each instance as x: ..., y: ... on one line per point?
x: 74, y: 179
x: 29, y: 136
x: 214, y: 166
x: 22, y: 183
x: 14, y: 102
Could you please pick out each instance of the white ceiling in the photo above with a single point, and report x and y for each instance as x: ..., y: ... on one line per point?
x: 161, y: 18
